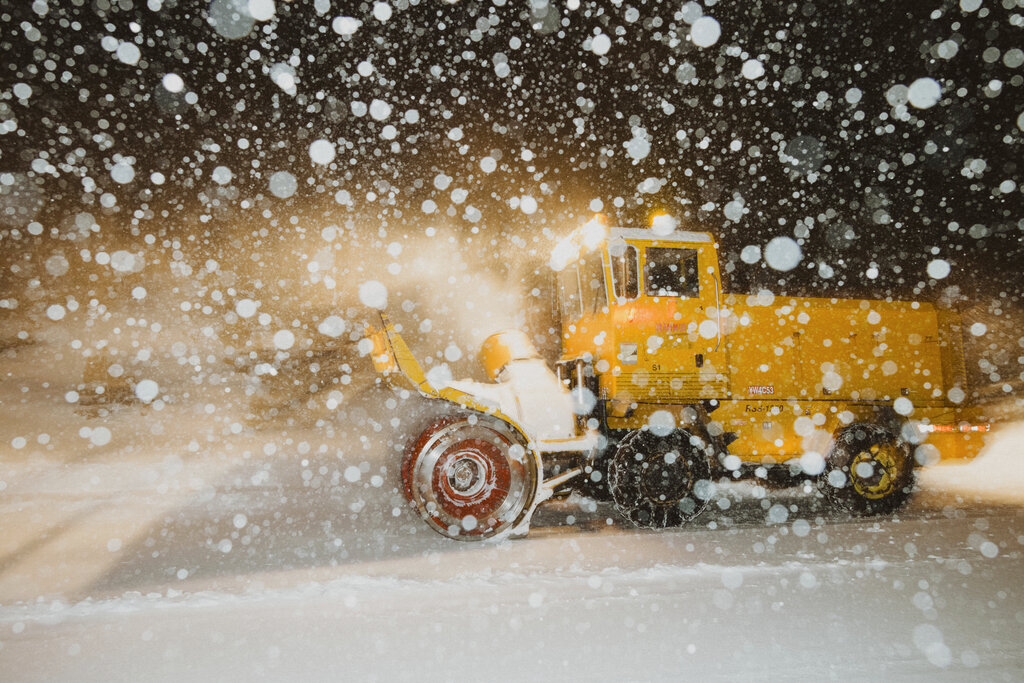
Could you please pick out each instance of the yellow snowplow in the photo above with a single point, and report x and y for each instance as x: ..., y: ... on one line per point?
x: 667, y: 384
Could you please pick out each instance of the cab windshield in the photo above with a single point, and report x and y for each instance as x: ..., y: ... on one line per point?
x: 671, y: 272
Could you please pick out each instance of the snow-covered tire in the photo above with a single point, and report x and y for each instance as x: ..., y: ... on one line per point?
x: 653, y: 478
x: 470, y: 477
x: 870, y: 470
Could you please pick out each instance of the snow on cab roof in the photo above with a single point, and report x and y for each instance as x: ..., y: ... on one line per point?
x: 648, y: 234
x: 592, y: 234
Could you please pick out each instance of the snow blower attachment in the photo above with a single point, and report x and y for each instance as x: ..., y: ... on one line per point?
x: 476, y: 472
x: 667, y: 384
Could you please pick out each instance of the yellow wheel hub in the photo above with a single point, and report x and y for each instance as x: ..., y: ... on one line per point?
x: 875, y: 471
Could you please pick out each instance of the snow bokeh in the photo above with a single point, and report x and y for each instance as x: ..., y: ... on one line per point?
x: 204, y: 208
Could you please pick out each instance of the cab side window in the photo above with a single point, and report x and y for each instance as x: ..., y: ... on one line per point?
x: 671, y: 272
x: 569, y: 293
x: 595, y: 296
x: 625, y: 274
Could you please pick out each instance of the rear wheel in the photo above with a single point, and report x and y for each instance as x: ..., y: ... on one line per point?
x: 653, y: 478
x: 870, y: 470
x: 470, y: 477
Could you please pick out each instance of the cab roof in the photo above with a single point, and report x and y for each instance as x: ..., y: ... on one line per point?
x: 593, y: 234
x: 648, y: 234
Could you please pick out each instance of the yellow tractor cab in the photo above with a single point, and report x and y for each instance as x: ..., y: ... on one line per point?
x: 643, y: 312
x: 666, y: 385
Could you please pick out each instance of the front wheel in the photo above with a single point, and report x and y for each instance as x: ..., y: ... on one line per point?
x: 870, y: 470
x: 655, y: 479
x: 470, y: 477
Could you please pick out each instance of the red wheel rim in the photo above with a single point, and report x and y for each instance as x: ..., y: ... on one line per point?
x: 469, y: 477
x: 472, y: 478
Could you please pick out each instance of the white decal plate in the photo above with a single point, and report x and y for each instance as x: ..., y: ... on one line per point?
x: 628, y: 353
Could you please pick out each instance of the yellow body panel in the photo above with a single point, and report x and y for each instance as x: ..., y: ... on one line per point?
x: 786, y: 372
x: 838, y: 349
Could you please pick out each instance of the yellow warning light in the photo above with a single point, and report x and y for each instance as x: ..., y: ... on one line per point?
x: 663, y: 223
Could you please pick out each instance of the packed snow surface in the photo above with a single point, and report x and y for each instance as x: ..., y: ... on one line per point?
x: 180, y: 543
x: 205, y: 207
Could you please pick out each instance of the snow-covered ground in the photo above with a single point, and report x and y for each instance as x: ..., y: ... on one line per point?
x: 192, y: 544
x: 202, y: 203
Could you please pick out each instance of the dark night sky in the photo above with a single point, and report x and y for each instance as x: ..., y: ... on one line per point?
x: 811, y: 149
